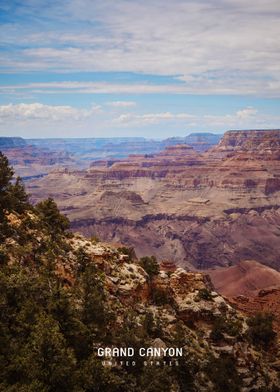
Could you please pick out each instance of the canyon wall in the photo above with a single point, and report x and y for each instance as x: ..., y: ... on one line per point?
x: 198, y: 209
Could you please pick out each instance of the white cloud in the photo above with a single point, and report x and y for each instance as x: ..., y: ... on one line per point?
x: 122, y: 104
x: 34, y: 119
x: 195, y: 86
x: 38, y: 111
x: 244, y: 118
x: 130, y: 119
x: 224, y: 46
x: 94, y: 88
x: 246, y: 113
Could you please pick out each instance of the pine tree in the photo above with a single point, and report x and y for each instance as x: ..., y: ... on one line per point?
x: 48, y: 359
x: 6, y: 172
x: 12, y: 195
x: 53, y: 219
x: 6, y: 175
x: 18, y: 196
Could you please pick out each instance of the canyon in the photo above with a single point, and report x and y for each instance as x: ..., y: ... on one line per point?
x: 212, y: 219
x: 31, y: 161
x: 37, y: 157
x: 61, y: 287
x: 198, y: 209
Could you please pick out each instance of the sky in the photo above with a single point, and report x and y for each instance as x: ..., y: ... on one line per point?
x: 152, y: 68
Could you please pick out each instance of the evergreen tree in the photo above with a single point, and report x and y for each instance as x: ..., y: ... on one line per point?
x: 18, y: 196
x: 261, y: 330
x: 6, y: 175
x: 51, y: 217
x: 12, y: 195
x: 47, y: 358
x: 92, y: 296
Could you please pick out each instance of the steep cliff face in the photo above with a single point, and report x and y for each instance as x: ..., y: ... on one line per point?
x: 172, y: 161
x: 266, y: 141
x: 195, y: 242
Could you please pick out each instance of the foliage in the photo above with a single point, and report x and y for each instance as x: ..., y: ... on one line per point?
x: 82, y: 260
x: 156, y: 380
x: 152, y: 326
x: 128, y: 252
x: 222, y: 372
x: 6, y: 173
x: 222, y: 325
x: 12, y: 195
x: 18, y: 197
x: 261, y: 329
x: 150, y: 265
x: 204, y: 294
x: 51, y: 217
x: 160, y: 296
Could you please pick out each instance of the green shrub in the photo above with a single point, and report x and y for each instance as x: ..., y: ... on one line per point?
x: 160, y: 297
x: 222, y: 372
x: 261, y: 329
x: 56, y: 222
x: 12, y: 193
x: 128, y: 251
x: 204, y: 294
x: 223, y: 325
x: 150, y: 265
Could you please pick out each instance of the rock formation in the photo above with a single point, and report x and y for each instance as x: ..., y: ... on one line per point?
x: 245, y: 278
x: 266, y: 302
x: 34, y: 157
x: 29, y: 161
x: 198, y: 210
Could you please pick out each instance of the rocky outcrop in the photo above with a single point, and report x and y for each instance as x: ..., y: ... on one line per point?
x: 132, y: 197
x: 262, y: 141
x: 245, y: 278
x: 266, y: 301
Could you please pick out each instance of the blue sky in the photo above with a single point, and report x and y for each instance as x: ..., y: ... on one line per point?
x: 138, y: 68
